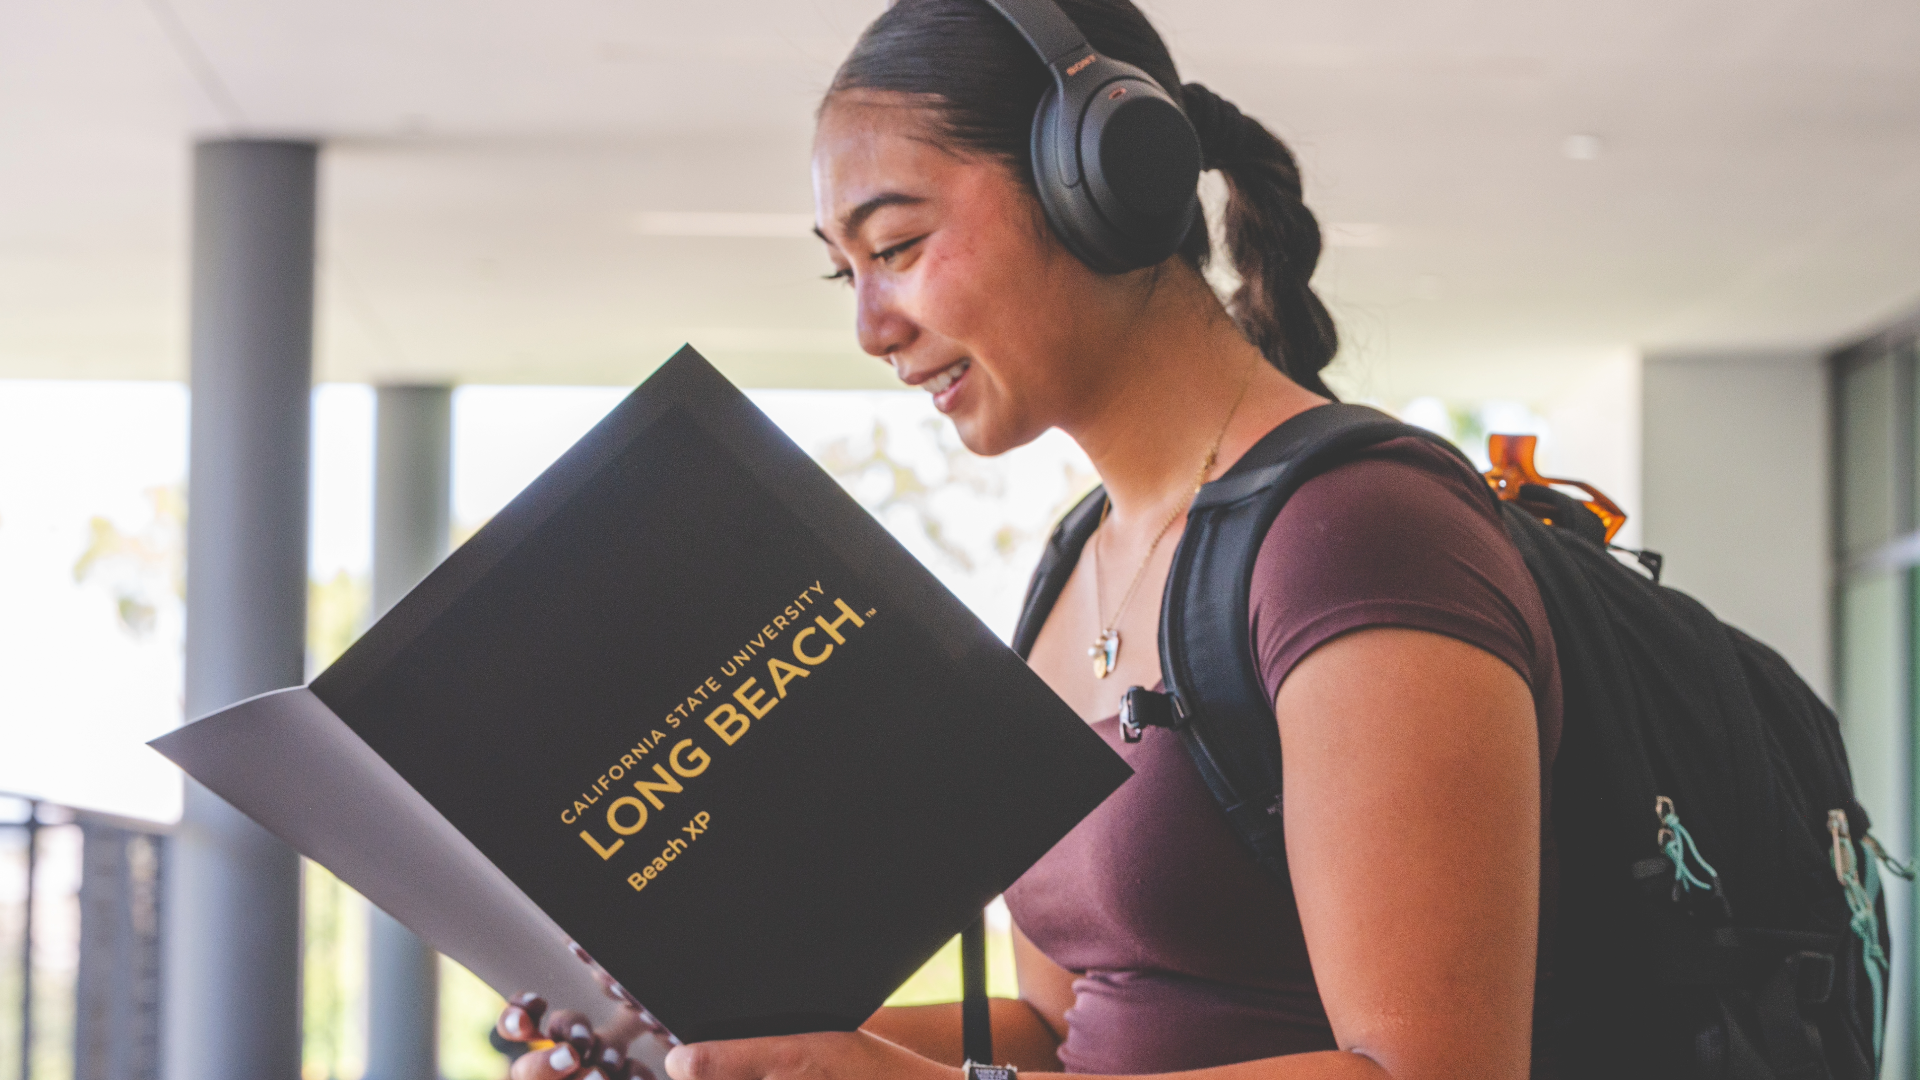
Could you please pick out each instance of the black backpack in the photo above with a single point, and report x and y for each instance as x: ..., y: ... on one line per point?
x: 1718, y: 910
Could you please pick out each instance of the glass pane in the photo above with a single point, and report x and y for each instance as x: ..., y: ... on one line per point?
x: 1873, y: 700
x: 1907, y: 360
x: 1873, y: 696
x: 1867, y: 449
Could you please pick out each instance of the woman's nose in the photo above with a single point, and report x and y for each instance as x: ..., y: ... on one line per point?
x: 880, y: 325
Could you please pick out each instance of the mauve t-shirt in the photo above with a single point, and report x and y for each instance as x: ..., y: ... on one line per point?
x: 1187, y: 953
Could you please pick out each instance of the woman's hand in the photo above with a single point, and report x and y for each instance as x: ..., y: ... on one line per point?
x: 578, y: 1051
x: 830, y: 1055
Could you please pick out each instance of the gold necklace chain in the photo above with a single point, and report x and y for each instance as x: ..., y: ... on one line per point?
x: 1105, y: 650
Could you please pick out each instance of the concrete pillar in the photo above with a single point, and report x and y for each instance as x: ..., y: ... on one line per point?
x: 1737, y: 486
x: 412, y: 499
x: 232, y: 971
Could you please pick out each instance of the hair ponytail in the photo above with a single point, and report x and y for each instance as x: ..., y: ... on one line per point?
x: 982, y: 81
x: 1272, y: 238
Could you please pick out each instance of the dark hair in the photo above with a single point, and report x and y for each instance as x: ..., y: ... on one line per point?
x: 983, y: 82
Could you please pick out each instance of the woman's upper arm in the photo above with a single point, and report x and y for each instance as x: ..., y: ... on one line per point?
x: 1412, y: 801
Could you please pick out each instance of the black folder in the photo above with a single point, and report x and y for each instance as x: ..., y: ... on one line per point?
x: 688, y: 700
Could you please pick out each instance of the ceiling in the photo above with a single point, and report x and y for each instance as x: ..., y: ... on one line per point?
x: 1742, y: 174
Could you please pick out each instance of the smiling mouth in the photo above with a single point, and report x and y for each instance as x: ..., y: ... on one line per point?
x: 945, y: 378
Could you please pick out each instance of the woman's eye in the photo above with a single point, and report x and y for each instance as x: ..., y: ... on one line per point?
x: 887, y: 256
x: 884, y: 257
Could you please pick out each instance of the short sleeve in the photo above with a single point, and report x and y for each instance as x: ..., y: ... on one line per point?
x: 1404, y: 536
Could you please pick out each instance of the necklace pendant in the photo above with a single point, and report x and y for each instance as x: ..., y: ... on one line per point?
x: 1105, y: 653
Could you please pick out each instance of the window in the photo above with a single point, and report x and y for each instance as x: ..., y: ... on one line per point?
x: 1877, y: 547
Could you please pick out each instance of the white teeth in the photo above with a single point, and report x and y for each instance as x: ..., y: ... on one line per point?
x: 946, y: 378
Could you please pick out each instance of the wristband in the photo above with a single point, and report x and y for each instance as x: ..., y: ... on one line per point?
x: 973, y: 1071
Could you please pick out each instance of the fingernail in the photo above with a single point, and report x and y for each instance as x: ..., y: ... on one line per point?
x: 517, y: 1022
x: 611, y: 1056
x: 562, y: 1059
x: 580, y: 1032
x: 593, y: 1074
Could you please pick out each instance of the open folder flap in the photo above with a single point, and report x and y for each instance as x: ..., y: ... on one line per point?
x: 288, y: 762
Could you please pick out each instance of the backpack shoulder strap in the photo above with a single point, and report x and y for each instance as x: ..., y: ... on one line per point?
x: 1218, y: 701
x: 1056, y: 566
x: 1220, y: 706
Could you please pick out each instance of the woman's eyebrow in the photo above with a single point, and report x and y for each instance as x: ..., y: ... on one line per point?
x: 854, y: 218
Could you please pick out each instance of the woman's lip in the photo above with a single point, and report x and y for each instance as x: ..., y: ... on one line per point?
x: 944, y: 400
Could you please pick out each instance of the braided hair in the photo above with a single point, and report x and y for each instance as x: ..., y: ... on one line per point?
x: 982, y: 83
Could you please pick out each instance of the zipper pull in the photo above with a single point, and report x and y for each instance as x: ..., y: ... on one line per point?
x: 1842, y: 834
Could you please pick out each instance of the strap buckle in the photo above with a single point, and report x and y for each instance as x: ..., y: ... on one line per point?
x: 1141, y: 707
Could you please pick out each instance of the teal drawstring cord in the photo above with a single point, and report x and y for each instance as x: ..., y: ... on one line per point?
x: 1862, y: 897
x: 1678, y: 845
x: 1894, y: 866
x: 1866, y: 926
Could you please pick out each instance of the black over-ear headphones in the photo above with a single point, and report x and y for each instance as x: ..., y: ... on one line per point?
x: 1115, y: 159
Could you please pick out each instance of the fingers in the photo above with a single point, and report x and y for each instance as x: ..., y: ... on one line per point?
x: 572, y: 1028
x: 567, y: 1061
x: 613, y: 989
x: 741, y: 1059
x: 608, y: 984
x: 520, y: 1020
x: 562, y: 1062
x: 794, y: 1057
x: 577, y: 1052
x: 634, y: 1017
x: 691, y: 1062
x: 610, y: 1064
x: 574, y: 1043
x: 627, y: 1025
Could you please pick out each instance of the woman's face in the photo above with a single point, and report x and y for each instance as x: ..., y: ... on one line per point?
x: 957, y: 282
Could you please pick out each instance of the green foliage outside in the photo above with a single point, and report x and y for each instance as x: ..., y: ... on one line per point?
x: 337, y: 611
x: 939, y: 980
x: 468, y: 1008
x: 140, y: 567
x: 335, y: 972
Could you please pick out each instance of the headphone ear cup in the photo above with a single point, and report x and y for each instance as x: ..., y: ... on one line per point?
x: 1117, y: 171
x: 1142, y: 161
x: 1064, y: 195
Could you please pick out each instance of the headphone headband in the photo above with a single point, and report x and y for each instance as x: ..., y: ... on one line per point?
x: 1048, y: 29
x: 1115, y: 160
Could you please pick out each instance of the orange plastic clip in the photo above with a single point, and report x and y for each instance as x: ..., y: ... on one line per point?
x: 1512, y: 457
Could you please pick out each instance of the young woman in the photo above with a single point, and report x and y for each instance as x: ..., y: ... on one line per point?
x: 1405, y: 648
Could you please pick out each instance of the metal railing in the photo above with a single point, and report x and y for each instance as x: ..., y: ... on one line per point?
x: 109, y: 910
